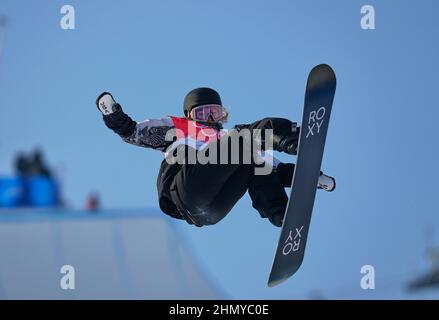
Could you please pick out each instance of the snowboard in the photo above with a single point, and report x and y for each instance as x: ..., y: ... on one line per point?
x: 319, y: 95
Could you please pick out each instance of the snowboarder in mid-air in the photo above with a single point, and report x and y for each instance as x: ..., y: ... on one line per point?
x: 204, y: 193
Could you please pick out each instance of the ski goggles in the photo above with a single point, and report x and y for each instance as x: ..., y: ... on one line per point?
x: 203, y: 112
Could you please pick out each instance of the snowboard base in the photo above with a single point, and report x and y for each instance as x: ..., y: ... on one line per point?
x: 319, y: 96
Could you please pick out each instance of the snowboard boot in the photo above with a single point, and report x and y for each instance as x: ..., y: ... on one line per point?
x: 277, y: 217
x: 287, y: 143
x: 326, y: 183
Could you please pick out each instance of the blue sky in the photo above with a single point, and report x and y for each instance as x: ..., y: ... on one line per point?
x: 382, y: 141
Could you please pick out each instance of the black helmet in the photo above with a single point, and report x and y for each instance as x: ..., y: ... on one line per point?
x: 200, y: 96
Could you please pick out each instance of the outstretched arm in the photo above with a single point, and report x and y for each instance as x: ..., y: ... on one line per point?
x: 148, y: 133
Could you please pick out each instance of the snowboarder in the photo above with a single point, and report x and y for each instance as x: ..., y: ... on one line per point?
x: 204, y: 193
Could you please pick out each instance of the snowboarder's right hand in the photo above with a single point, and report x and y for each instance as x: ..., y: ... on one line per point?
x: 106, y: 103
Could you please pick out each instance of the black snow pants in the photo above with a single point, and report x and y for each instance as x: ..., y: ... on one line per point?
x: 205, y: 193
